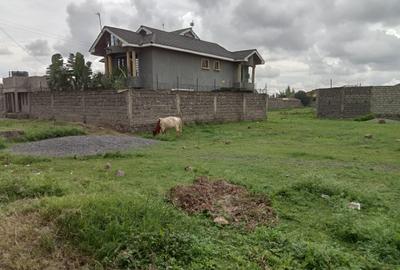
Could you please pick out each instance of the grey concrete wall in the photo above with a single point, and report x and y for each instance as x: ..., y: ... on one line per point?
x: 385, y: 101
x: 168, y: 65
x: 139, y: 109
x: 283, y: 103
x: 33, y: 83
x: 2, y: 104
x: 349, y: 102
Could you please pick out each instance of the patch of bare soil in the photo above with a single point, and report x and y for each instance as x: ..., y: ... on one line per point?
x: 224, y: 202
x: 27, y: 242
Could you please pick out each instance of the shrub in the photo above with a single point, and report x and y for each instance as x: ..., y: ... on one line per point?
x: 366, y: 117
x: 304, y: 98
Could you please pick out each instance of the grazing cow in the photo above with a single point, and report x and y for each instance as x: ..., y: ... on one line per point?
x: 166, y: 123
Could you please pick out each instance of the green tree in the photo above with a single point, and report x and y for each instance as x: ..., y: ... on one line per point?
x: 79, y: 71
x: 57, y: 74
x: 304, y: 98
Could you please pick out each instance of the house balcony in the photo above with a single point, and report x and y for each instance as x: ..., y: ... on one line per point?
x: 114, y: 50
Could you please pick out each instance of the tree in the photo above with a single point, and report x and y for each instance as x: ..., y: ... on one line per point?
x: 304, y: 98
x: 57, y: 74
x: 79, y: 72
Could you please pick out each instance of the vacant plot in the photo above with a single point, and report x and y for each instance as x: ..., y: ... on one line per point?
x: 89, y: 215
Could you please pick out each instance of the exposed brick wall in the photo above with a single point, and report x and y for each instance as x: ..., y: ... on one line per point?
x: 349, y: 102
x: 385, y: 101
x: 283, y: 103
x: 139, y: 109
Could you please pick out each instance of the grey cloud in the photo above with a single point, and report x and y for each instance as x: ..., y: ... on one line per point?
x: 5, y: 51
x: 83, y: 27
x: 39, y: 47
x: 333, y: 38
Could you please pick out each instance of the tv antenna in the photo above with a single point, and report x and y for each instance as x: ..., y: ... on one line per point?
x: 99, y: 15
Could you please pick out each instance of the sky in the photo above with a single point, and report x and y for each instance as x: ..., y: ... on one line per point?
x: 305, y: 43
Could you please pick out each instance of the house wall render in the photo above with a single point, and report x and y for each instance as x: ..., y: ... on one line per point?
x: 139, y: 109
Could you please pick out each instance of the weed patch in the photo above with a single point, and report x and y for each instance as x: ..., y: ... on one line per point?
x: 15, y: 188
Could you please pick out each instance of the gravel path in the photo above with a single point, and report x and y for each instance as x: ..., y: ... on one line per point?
x: 80, y: 146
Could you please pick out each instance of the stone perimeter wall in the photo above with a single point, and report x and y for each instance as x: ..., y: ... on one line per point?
x: 349, y: 102
x: 139, y: 109
x: 283, y: 103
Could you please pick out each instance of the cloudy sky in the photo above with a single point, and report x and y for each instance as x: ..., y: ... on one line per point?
x: 305, y: 43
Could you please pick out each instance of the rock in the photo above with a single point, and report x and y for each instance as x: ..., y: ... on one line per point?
x: 227, y: 142
x: 107, y: 166
x: 325, y: 196
x: 188, y: 168
x: 368, y: 136
x: 221, y: 220
x: 381, y: 121
x: 120, y: 173
x: 354, y: 205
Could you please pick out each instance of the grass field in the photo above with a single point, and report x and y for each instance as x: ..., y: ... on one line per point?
x: 294, y: 158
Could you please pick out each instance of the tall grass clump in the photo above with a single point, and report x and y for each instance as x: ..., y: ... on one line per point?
x: 125, y: 231
x: 2, y: 143
x: 13, y: 187
x: 54, y: 132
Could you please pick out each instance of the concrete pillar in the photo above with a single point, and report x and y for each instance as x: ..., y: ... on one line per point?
x: 129, y: 97
x: 17, y: 109
x: 106, y: 71
x: 133, y: 58
x: 129, y: 62
x: 244, y: 107
x: 178, y: 104
x: 253, y: 74
x: 109, y: 60
x: 215, y: 106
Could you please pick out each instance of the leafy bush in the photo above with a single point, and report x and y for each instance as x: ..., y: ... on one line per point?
x: 366, y: 117
x: 304, y: 98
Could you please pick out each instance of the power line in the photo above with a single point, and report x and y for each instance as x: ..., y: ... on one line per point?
x: 21, y: 46
x: 78, y: 43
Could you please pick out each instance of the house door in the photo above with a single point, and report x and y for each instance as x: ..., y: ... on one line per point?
x: 10, y: 102
x: 23, y: 102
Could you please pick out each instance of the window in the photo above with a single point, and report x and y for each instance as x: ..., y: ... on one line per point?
x: 115, y: 41
x: 217, y: 65
x: 205, y: 64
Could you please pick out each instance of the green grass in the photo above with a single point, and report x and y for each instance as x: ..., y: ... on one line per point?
x: 36, y: 130
x: 294, y: 158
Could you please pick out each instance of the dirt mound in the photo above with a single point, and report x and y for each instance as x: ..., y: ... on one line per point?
x: 224, y: 202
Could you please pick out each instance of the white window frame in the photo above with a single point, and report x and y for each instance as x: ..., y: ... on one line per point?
x: 205, y: 60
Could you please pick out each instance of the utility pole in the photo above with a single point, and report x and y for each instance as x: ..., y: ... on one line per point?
x: 331, y: 83
x: 99, y: 15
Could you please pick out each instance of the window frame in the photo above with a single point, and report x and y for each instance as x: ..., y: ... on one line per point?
x: 208, y: 64
x: 219, y: 65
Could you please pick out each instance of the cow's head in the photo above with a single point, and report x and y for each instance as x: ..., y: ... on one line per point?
x: 157, y: 129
